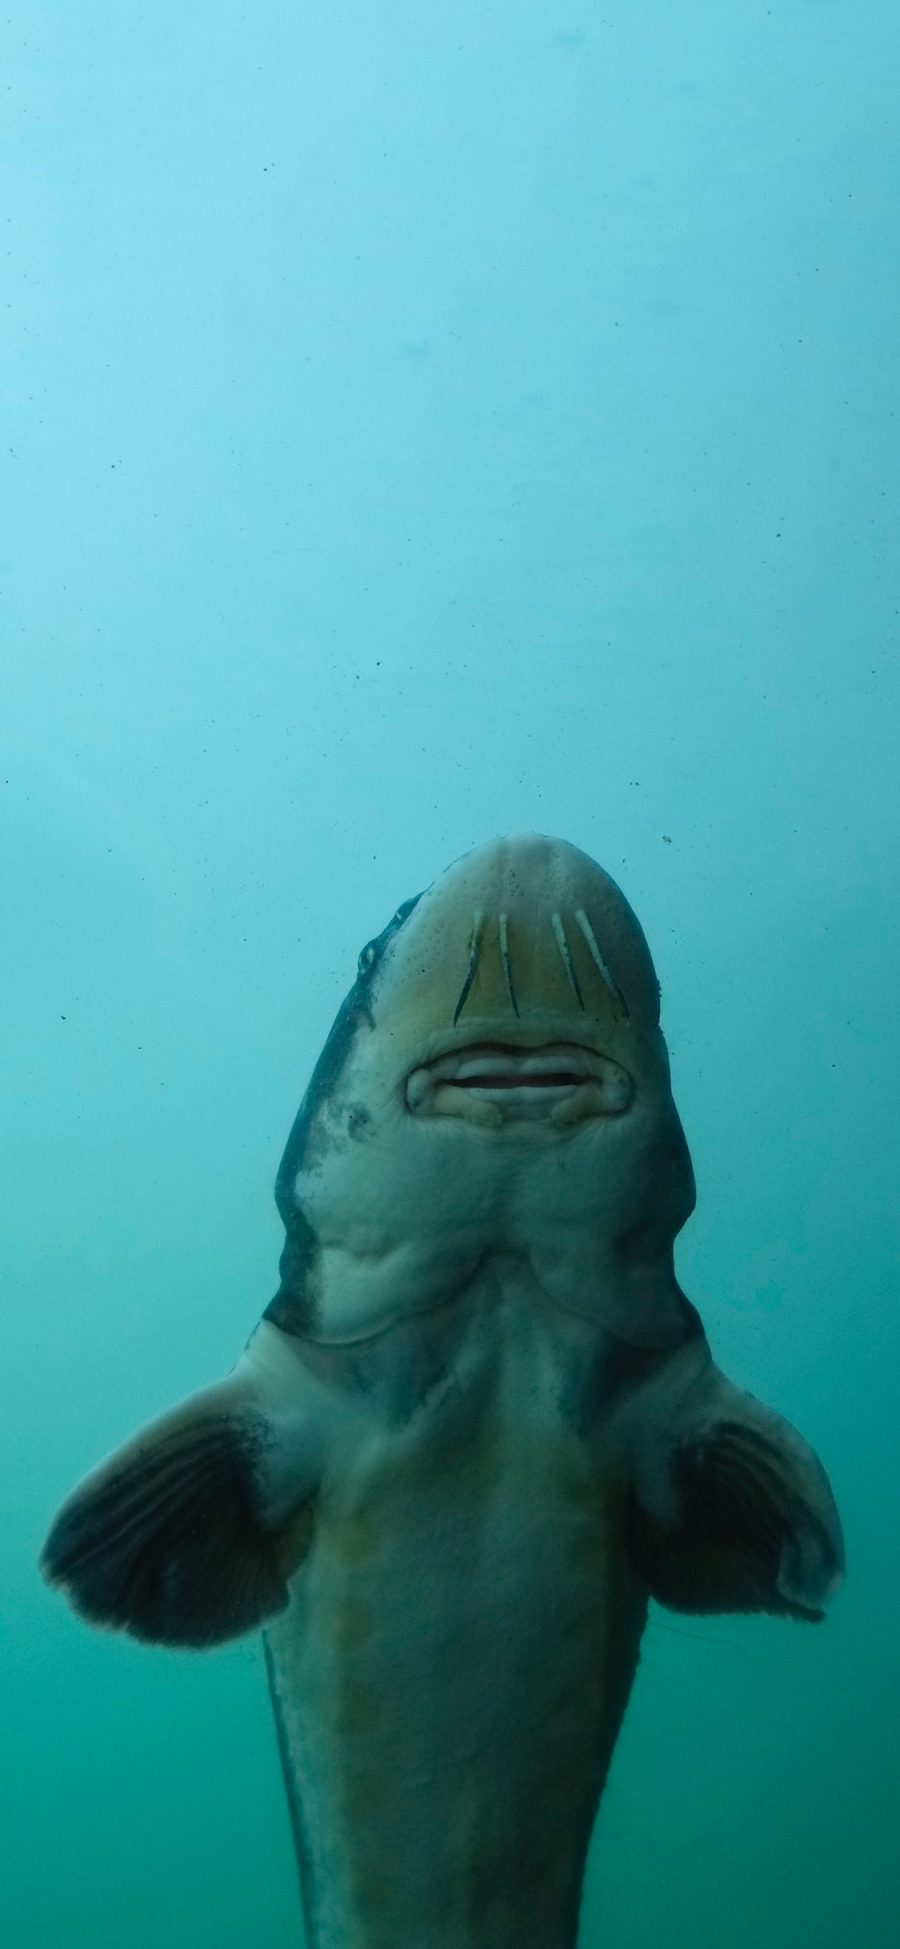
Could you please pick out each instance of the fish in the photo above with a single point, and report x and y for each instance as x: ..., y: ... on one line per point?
x: 477, y: 1429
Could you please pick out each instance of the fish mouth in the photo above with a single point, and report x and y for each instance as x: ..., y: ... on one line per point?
x: 492, y: 1083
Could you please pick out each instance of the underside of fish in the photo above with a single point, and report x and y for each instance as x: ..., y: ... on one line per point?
x: 478, y: 1427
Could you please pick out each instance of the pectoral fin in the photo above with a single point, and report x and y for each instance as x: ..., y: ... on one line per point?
x: 740, y: 1517
x: 174, y: 1538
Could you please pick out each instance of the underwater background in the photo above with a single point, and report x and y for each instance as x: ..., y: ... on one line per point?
x: 425, y: 422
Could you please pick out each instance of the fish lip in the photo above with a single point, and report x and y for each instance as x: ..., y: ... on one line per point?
x: 492, y: 1083
x: 529, y: 1061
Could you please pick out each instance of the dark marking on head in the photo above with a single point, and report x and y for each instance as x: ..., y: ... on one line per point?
x: 472, y: 968
x: 559, y: 935
x: 668, y: 1196
x: 403, y: 1369
x: 415, y: 1365
x: 587, y: 930
x: 294, y: 1307
x: 349, y: 1369
x: 592, y: 1378
x: 295, y: 1301
x: 372, y: 955
x: 506, y: 959
x: 292, y: 1312
x: 351, y: 1015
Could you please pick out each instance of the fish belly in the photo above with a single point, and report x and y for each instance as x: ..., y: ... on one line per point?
x: 449, y: 1679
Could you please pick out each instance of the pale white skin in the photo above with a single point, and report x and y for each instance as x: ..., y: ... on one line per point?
x: 486, y: 1364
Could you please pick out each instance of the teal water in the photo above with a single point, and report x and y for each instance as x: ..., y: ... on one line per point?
x: 423, y: 424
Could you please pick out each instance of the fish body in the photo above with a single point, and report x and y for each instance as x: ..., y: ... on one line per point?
x: 452, y: 1667
x: 478, y: 1426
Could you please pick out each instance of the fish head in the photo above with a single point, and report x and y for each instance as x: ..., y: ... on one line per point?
x: 497, y: 1076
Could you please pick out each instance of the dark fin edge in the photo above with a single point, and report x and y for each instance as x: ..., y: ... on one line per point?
x: 165, y: 1540
x: 755, y: 1532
